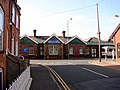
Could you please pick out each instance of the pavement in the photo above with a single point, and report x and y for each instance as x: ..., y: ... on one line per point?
x: 42, y: 80
x: 107, y: 63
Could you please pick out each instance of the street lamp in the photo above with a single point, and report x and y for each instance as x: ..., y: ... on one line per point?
x: 98, y: 33
x: 117, y: 16
x: 68, y: 34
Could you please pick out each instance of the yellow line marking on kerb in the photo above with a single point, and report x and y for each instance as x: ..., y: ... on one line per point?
x: 62, y: 82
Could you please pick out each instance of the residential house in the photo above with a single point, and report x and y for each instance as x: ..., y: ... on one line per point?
x: 9, y: 34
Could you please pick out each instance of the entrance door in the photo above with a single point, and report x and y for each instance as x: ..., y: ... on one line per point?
x: 93, y: 52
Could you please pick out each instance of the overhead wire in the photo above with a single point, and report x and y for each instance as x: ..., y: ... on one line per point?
x: 71, y: 10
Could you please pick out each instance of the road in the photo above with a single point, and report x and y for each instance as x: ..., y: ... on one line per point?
x: 80, y: 75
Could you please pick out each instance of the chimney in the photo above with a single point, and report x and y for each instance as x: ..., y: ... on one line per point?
x: 63, y: 33
x: 34, y: 31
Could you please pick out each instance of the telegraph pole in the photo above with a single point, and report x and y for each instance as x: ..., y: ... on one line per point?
x: 98, y: 33
x: 68, y: 34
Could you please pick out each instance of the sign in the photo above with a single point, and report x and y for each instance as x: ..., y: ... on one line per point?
x: 53, y: 42
x: 24, y: 49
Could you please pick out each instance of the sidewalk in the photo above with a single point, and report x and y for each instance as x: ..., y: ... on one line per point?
x: 109, y: 63
x: 42, y: 79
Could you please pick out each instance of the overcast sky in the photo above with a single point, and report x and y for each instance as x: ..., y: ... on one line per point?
x: 51, y: 16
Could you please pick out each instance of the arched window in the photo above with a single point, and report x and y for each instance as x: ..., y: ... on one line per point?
x: 1, y: 27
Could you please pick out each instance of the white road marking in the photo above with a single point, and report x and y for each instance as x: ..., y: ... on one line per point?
x: 95, y: 72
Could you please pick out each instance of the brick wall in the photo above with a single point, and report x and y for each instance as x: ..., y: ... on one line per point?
x: 26, y: 54
x: 117, y: 41
x: 6, y: 5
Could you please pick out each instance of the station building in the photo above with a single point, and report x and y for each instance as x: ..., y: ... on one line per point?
x: 115, y: 36
x: 60, y: 47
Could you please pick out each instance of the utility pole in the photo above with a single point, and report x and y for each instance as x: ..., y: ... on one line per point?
x: 98, y: 33
x: 68, y: 34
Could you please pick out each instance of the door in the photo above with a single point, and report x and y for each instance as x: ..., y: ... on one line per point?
x: 93, y: 52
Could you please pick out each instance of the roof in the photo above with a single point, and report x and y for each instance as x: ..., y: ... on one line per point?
x: 39, y: 40
x: 29, y: 38
x: 115, y: 31
x: 102, y: 43
x: 74, y: 38
x: 66, y: 40
x: 53, y: 35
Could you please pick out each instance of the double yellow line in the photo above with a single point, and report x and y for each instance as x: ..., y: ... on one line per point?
x: 57, y: 76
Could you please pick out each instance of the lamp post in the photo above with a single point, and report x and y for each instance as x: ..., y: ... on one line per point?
x: 117, y: 16
x: 98, y: 33
x: 68, y: 34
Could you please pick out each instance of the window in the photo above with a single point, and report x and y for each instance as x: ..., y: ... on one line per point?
x: 81, y: 50
x: 17, y: 47
x: 13, y: 13
x: 71, y: 50
x: 31, y: 50
x: 12, y: 46
x: 17, y: 21
x: 1, y: 27
x: 1, y: 79
x: 53, y: 50
x: 118, y: 50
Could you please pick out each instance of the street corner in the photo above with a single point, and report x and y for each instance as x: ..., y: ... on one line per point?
x: 109, y: 64
x: 96, y: 62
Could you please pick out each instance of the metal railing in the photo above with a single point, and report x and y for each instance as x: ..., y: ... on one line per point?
x: 23, y: 81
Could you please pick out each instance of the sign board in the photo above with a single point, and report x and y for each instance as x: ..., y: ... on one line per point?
x: 24, y: 49
x: 53, y: 42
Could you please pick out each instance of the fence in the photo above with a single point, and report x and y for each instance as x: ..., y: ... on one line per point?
x: 23, y: 82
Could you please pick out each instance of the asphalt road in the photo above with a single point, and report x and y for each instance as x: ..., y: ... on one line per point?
x: 85, y: 76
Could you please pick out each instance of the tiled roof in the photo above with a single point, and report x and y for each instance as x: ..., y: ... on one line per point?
x: 102, y: 43
x: 39, y: 40
x: 90, y: 41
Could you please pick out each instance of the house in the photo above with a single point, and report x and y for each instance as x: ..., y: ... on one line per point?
x: 60, y: 47
x: 115, y: 36
x: 9, y: 34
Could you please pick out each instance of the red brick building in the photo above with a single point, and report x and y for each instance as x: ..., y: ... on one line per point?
x: 9, y: 34
x: 60, y: 47
x: 116, y: 38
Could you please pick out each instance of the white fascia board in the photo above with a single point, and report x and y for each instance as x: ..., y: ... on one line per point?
x: 53, y: 35
x: 29, y: 38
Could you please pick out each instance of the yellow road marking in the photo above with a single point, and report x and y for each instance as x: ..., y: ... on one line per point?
x: 64, y: 85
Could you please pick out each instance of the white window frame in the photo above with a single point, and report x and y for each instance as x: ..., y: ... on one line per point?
x: 17, y: 21
x: 53, y: 49
x: 1, y: 27
x: 31, y: 50
x: 71, y: 50
x: 12, y: 46
x: 17, y: 47
x: 7, y: 42
x: 81, y: 51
